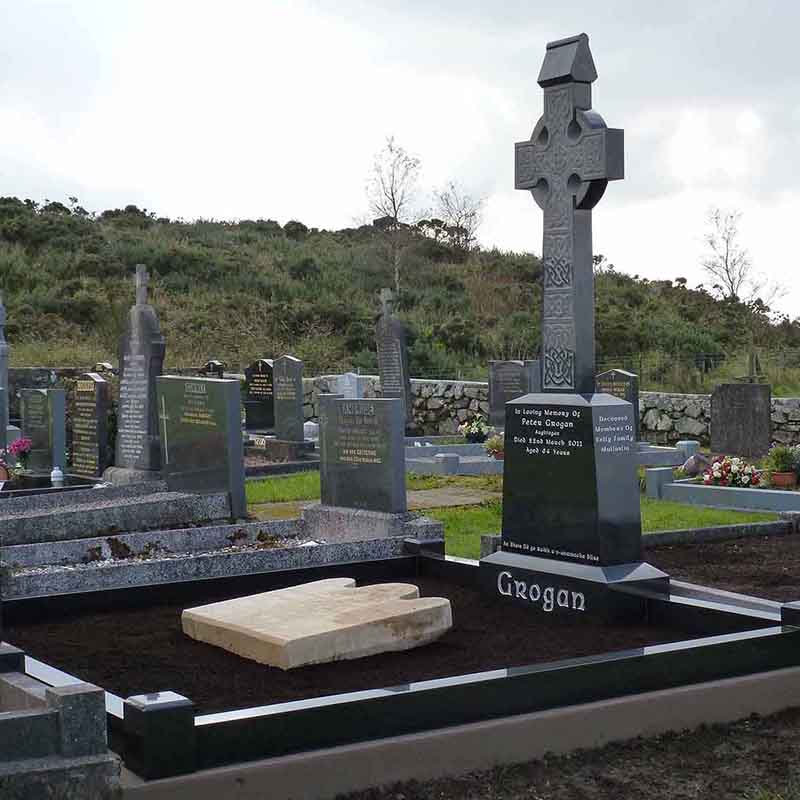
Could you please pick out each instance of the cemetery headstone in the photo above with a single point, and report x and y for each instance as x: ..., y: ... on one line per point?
x: 90, y: 453
x: 43, y: 422
x: 201, y: 437
x: 509, y: 380
x: 740, y: 419
x: 571, y: 537
x: 288, y: 379
x: 391, y: 340
x: 214, y: 368
x: 259, y: 397
x: 623, y: 384
x: 362, y: 453
x: 351, y: 386
x: 142, y: 347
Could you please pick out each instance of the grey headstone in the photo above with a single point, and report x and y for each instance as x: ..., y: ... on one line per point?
x: 351, y: 386
x: 141, y: 362
x: 623, y: 384
x: 391, y: 340
x: 90, y: 452
x: 509, y: 380
x: 43, y: 422
x: 362, y: 453
x: 201, y: 437
x: 3, y: 428
x: 566, y: 165
x: 259, y: 396
x: 740, y: 419
x: 288, y: 380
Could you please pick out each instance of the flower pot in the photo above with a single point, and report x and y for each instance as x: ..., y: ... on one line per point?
x: 499, y: 456
x: 5, y: 475
x: 475, y: 438
x: 783, y: 480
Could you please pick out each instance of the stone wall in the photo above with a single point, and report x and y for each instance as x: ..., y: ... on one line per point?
x: 666, y: 418
x: 439, y: 406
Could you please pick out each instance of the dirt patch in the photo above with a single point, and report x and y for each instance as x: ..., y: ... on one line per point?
x: 132, y: 651
x: 755, y: 759
x: 767, y: 566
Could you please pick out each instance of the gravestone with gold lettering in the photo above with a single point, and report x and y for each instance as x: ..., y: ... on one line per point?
x: 259, y: 396
x: 138, y: 455
x: 44, y: 423
x: 90, y: 455
x: 571, y: 534
x: 201, y: 437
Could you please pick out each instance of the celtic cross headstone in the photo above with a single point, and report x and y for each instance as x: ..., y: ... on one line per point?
x: 571, y: 540
x: 566, y: 166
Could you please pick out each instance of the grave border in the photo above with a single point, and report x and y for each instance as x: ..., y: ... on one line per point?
x: 740, y: 636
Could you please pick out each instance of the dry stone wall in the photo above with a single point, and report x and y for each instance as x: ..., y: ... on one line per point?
x: 441, y: 406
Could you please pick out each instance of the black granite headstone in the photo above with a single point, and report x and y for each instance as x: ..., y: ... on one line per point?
x: 43, y: 422
x: 623, y: 384
x: 141, y: 362
x: 391, y: 340
x: 259, y: 397
x: 4, y: 398
x: 571, y: 539
x: 201, y: 437
x: 90, y: 453
x: 509, y: 380
x: 740, y: 419
x: 362, y: 453
x: 288, y: 380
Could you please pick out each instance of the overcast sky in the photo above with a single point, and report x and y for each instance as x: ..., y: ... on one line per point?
x: 268, y: 109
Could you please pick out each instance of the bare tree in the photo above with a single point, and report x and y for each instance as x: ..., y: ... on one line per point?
x: 391, y: 190
x: 461, y: 214
x: 727, y: 262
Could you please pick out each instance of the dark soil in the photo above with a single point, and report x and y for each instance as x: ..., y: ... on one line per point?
x: 754, y: 759
x: 136, y: 651
x: 767, y: 566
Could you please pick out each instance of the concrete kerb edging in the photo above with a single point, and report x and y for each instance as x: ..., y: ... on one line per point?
x: 456, y: 750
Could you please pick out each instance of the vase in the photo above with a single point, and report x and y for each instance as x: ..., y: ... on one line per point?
x: 783, y: 480
x: 499, y: 456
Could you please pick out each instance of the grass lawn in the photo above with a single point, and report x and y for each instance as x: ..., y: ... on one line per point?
x: 305, y: 486
x: 463, y: 526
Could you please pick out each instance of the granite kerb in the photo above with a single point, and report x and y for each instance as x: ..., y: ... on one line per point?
x: 100, y: 575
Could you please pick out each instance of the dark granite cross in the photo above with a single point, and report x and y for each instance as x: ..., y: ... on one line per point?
x: 566, y: 165
x: 142, y: 279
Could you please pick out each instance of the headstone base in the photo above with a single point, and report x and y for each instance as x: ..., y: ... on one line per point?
x: 608, y: 594
x: 338, y: 524
x: 122, y: 476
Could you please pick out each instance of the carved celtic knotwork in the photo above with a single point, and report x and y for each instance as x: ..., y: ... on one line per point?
x: 557, y: 107
x: 558, y: 305
x: 559, y: 356
x: 557, y: 261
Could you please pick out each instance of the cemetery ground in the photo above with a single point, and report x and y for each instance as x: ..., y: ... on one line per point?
x: 476, y: 506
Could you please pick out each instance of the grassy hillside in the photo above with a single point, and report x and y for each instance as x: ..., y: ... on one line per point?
x: 241, y: 290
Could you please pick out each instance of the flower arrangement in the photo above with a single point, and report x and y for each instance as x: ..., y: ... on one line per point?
x: 731, y: 471
x: 495, y: 446
x: 783, y: 463
x: 8, y: 471
x: 476, y: 430
x: 20, y: 450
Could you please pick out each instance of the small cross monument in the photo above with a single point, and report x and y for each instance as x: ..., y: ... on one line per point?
x: 572, y: 533
x: 566, y: 166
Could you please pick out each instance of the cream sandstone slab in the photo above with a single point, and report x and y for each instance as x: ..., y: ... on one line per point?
x: 323, y: 621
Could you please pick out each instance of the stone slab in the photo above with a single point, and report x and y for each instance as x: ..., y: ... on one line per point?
x: 319, y: 622
x: 337, y: 524
x: 740, y: 419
